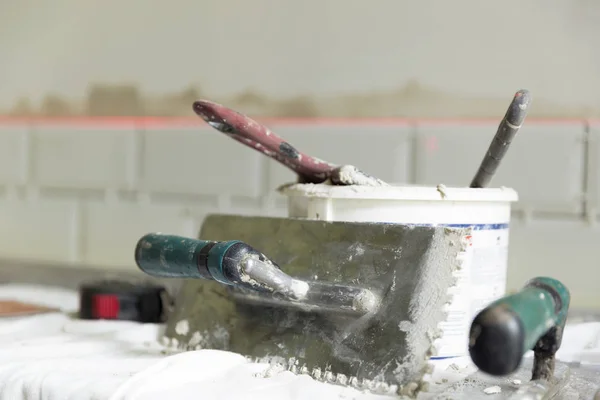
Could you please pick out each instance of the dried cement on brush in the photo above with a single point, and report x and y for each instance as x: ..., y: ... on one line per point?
x: 350, y: 175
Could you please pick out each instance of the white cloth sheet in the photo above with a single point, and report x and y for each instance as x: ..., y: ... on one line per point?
x: 57, y: 357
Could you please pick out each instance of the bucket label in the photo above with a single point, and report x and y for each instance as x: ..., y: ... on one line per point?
x: 481, y: 280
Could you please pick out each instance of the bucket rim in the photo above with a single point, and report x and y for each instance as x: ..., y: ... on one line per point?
x: 400, y: 192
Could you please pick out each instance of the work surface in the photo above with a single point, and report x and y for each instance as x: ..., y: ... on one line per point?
x: 56, y: 356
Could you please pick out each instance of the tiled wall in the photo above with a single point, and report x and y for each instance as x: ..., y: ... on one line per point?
x: 82, y: 192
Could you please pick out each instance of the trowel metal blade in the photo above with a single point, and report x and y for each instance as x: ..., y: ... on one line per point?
x: 410, y: 268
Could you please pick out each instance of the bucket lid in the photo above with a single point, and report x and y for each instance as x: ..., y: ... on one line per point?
x: 398, y: 192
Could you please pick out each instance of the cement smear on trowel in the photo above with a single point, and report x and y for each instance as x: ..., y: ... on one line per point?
x: 429, y: 305
x: 424, y: 307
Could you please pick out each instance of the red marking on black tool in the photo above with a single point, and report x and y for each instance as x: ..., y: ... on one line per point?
x: 105, y: 306
x: 120, y: 300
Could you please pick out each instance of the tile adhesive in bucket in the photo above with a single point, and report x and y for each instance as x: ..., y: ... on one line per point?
x: 482, y: 276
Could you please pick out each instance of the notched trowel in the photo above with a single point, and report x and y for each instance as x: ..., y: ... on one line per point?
x: 355, y: 304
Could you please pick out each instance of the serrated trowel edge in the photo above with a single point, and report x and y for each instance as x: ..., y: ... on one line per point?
x: 429, y: 304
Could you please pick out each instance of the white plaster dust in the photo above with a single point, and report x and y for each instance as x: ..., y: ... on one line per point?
x: 55, y: 356
x: 182, y: 327
x: 492, y: 390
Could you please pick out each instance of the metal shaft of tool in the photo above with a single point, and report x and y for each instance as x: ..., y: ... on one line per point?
x: 314, y: 302
x: 310, y: 294
x: 349, y: 298
x: 507, y: 130
x: 274, y: 278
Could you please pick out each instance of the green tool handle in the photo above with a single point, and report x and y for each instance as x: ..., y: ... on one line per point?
x: 170, y: 256
x: 237, y: 264
x: 532, y: 319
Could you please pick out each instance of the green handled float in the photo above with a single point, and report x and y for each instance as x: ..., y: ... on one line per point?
x: 239, y: 265
x: 231, y: 263
x: 171, y: 256
x: 532, y: 319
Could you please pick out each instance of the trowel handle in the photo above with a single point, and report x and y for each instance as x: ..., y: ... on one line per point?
x: 170, y: 256
x: 507, y: 130
x: 505, y: 330
x: 231, y: 263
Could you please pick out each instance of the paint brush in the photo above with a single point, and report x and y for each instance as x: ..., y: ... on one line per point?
x: 507, y: 130
x: 249, y: 132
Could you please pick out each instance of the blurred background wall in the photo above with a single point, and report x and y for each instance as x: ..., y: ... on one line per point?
x: 78, y: 186
x: 306, y: 58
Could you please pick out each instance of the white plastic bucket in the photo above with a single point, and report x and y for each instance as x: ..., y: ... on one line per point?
x: 482, y: 278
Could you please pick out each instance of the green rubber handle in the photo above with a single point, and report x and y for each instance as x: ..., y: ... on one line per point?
x: 171, y: 256
x: 509, y: 327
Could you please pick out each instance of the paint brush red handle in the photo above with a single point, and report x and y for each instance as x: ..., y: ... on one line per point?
x: 249, y: 132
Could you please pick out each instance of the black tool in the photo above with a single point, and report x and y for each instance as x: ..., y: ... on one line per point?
x: 507, y: 130
x: 118, y: 300
x: 532, y: 319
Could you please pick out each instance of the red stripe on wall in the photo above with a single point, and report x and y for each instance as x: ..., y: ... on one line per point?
x: 161, y: 122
